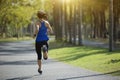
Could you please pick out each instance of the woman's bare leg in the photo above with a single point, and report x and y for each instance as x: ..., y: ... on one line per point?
x: 45, y: 55
x: 40, y: 65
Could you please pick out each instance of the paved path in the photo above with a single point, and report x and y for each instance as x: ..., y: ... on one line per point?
x: 95, y: 43
x: 18, y: 62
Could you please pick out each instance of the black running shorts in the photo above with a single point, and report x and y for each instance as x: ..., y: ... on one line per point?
x: 38, y: 46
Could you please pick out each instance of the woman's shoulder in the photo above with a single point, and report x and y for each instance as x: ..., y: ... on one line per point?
x: 46, y: 22
x: 37, y: 22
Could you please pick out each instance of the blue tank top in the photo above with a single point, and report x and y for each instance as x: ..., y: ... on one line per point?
x: 42, y: 33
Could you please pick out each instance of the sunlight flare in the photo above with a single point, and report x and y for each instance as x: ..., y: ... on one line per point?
x: 66, y: 1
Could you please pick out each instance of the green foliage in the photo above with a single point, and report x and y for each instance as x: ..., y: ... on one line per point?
x: 15, y: 14
x: 12, y: 12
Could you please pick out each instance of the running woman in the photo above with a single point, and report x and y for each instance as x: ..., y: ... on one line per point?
x: 41, y: 34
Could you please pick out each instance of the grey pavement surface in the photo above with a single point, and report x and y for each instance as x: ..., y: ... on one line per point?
x: 18, y: 62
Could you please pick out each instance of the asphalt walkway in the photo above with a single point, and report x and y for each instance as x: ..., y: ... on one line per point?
x: 18, y: 62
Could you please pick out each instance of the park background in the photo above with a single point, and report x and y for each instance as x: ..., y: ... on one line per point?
x: 84, y: 30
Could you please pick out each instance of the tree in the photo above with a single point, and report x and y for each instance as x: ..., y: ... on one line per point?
x: 92, y: 18
x: 17, y: 14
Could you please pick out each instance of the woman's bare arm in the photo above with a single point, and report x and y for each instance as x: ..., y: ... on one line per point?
x: 36, y: 29
x: 49, y: 27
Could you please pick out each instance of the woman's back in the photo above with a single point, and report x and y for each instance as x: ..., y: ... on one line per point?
x: 42, y: 33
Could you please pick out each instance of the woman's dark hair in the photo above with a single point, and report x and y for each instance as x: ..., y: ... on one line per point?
x: 41, y: 15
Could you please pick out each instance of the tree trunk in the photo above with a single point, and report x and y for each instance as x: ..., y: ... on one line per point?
x: 57, y: 20
x: 70, y: 24
x: 74, y: 24
x: 79, y: 23
x: 66, y: 21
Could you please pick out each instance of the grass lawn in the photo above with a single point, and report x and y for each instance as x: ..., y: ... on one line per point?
x: 14, y: 39
x: 97, y: 59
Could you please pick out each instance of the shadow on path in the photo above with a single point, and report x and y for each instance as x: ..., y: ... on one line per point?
x: 26, y: 62
x: 22, y: 62
x: 22, y: 78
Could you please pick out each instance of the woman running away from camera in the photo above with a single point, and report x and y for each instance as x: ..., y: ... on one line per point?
x: 41, y: 34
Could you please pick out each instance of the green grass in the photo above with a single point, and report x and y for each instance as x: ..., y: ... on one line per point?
x: 14, y: 39
x: 97, y: 59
